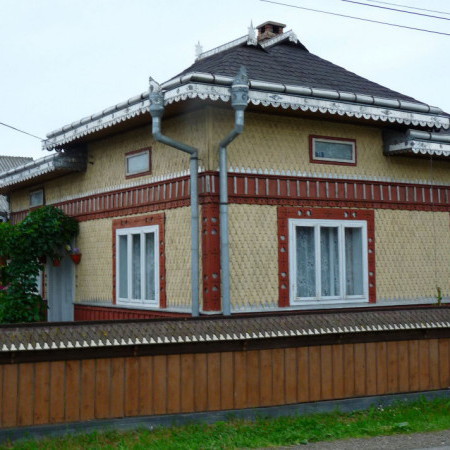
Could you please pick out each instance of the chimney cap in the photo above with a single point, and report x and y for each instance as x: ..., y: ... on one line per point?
x: 270, y: 22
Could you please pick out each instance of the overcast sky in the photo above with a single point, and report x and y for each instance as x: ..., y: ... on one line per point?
x: 62, y: 60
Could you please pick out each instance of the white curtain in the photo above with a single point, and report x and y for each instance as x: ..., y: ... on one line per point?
x: 306, y: 262
x: 136, y: 266
x: 353, y: 261
x: 329, y: 259
x: 123, y: 267
x: 150, y: 266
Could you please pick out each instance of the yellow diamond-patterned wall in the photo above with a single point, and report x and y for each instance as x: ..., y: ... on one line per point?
x: 412, y: 253
x: 106, y: 160
x: 94, y: 281
x: 282, y: 143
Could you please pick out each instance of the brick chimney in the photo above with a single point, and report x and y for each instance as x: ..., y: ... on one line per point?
x: 268, y: 30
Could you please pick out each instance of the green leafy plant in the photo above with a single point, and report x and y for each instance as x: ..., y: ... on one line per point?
x: 44, y: 232
x: 439, y: 296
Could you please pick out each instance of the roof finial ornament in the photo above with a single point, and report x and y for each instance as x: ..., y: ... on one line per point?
x: 198, y: 50
x: 251, y: 39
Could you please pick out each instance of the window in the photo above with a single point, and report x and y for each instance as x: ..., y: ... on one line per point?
x: 137, y: 163
x: 37, y: 198
x: 328, y: 261
x: 137, y: 265
x: 332, y: 150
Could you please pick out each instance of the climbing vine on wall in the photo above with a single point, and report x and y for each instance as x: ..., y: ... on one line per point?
x: 43, y: 233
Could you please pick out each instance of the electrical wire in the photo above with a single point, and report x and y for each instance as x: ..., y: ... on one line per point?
x: 356, y: 18
x: 410, y: 7
x: 20, y: 131
x: 397, y: 10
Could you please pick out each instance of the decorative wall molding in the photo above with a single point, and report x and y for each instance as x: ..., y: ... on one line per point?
x: 251, y: 188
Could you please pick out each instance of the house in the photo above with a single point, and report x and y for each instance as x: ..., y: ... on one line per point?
x: 333, y: 191
x: 7, y: 163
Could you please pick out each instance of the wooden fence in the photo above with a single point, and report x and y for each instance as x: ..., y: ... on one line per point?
x: 46, y: 391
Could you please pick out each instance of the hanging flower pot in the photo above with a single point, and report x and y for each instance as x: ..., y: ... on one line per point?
x: 76, y: 257
x: 56, y: 262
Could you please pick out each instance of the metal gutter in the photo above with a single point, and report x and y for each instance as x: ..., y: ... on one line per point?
x: 156, y: 99
x: 239, y: 99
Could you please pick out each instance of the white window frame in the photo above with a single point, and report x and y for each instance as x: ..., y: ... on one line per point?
x: 134, y: 155
x: 129, y: 232
x: 341, y: 225
x: 42, y: 199
x: 337, y: 141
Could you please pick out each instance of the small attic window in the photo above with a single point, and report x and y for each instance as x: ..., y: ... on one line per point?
x: 36, y: 198
x: 138, y: 162
x: 276, y: 29
x: 332, y: 150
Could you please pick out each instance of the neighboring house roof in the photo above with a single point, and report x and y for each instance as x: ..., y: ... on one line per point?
x: 8, y: 163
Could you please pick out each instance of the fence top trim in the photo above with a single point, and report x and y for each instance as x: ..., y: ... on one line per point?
x: 60, y: 336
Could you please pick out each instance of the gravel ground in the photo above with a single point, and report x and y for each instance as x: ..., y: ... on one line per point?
x: 418, y: 441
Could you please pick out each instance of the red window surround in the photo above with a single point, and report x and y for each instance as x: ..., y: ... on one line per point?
x: 339, y: 163
x: 141, y: 221
x: 286, y: 213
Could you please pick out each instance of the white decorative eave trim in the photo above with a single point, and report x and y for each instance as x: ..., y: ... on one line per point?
x: 420, y: 147
x: 207, y: 86
x: 43, y: 166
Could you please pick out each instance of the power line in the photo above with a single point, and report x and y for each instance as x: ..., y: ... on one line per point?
x: 21, y: 131
x: 356, y: 18
x: 395, y: 9
x: 410, y: 7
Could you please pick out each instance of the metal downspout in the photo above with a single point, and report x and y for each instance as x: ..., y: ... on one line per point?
x: 239, y: 99
x: 156, y: 96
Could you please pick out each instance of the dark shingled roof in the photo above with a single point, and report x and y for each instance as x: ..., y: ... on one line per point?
x: 293, y: 64
x: 154, y: 332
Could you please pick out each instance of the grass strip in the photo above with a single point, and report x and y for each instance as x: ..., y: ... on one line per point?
x: 402, y: 417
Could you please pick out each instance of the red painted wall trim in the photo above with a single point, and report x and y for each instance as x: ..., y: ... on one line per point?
x: 211, y: 257
x: 339, y: 163
x: 85, y: 312
x: 286, y: 213
x: 258, y: 189
x: 141, y: 221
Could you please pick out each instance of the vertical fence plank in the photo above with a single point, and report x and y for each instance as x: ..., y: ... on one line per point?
x: 117, y: 387
x: 25, y: 394
x: 160, y: 384
x: 381, y: 368
x: 278, y: 380
x: 145, y: 385
x: 303, y: 374
x: 403, y: 367
x: 266, y: 377
x: 57, y: 397
x: 200, y: 382
x: 173, y: 384
x: 226, y: 381
x: 326, y: 372
x: 102, y: 388
x: 131, y: 386
x: 338, y: 370
x: 360, y: 369
x: 252, y: 378
x: 187, y: 385
x: 9, y: 400
x: 392, y: 366
x: 434, y: 363
x: 371, y: 368
x: 240, y: 380
x: 413, y: 351
x: 72, y: 389
x: 424, y: 365
x: 2, y: 405
x: 213, y: 381
x: 315, y: 379
x: 87, y: 389
x: 290, y: 358
x: 444, y: 366
x: 349, y: 370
